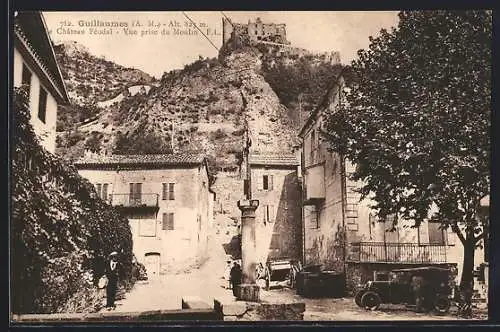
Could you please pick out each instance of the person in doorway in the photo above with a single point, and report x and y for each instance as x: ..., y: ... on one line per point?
x: 112, y: 275
x: 235, y: 277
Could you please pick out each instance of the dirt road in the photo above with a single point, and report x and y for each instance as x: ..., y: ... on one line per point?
x: 167, y: 291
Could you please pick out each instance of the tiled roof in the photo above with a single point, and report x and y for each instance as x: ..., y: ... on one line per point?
x: 187, y: 159
x: 274, y: 159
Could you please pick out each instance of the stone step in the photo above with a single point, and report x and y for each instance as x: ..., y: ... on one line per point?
x: 194, y: 302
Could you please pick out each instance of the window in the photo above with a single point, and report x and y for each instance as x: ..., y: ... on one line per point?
x: 371, y: 224
x: 26, y: 78
x: 104, y: 195
x: 135, y: 193
x: 267, y: 182
x: 171, y: 195
x: 391, y: 233
x: 311, y: 217
x: 268, y: 213
x: 168, y: 191
x: 437, y: 235
x: 314, y: 147
x: 98, y: 188
x: 102, y: 190
x: 42, y: 104
x: 168, y: 221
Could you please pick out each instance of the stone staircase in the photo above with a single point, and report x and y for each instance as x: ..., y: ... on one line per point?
x: 480, y: 295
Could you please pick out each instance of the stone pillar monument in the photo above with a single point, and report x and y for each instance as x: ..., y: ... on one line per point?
x: 249, y: 290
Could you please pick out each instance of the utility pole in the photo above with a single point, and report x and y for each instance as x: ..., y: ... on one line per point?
x: 93, y: 85
x: 248, y: 290
x: 246, y: 154
x: 172, y: 146
x: 247, y: 161
x: 300, y: 111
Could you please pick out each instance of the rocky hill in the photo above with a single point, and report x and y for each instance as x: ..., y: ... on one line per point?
x: 203, y: 107
x: 89, y: 77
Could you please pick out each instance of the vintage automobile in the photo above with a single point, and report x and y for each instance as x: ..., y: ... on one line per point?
x: 406, y: 286
x: 277, y: 271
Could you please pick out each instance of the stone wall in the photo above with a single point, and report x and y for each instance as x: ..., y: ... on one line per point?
x: 229, y: 189
x: 281, y: 235
x: 250, y: 311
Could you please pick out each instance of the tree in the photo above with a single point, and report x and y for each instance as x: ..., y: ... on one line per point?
x: 148, y: 143
x: 417, y: 122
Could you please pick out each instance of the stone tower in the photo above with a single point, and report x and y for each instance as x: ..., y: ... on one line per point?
x: 227, y: 29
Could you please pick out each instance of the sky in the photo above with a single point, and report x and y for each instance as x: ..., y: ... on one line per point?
x: 342, y: 31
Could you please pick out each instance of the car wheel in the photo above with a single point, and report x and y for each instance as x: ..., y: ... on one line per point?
x: 442, y: 304
x: 370, y: 301
x: 357, y: 297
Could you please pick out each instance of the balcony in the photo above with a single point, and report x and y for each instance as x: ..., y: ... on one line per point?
x: 135, y: 201
x: 404, y: 253
x: 314, y: 184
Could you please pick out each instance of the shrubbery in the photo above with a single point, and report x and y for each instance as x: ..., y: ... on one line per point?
x: 60, y: 229
x: 302, y: 78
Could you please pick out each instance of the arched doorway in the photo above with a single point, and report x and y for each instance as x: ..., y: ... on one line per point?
x: 152, y: 264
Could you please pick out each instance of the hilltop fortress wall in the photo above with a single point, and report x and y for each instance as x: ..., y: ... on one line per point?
x: 274, y: 35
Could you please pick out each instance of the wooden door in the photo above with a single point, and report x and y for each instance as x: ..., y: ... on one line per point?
x: 152, y: 264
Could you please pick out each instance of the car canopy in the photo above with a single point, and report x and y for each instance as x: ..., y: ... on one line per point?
x: 423, y: 269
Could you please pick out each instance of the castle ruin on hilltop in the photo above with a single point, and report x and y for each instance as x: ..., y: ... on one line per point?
x: 274, y: 35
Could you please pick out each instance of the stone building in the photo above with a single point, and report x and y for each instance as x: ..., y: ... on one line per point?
x: 256, y: 31
x: 35, y: 66
x: 341, y: 232
x: 167, y: 200
x: 275, y: 184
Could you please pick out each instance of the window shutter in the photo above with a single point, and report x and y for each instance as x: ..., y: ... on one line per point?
x: 436, y: 235
x: 132, y: 191
x: 171, y: 221
x: 164, y: 224
x: 260, y: 185
x: 42, y: 104
x: 26, y: 78
x: 138, y: 190
x: 105, y: 191
x: 171, y: 191
x: 164, y: 191
x: 270, y: 182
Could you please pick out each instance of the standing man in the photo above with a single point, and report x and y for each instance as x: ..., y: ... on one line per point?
x: 235, y: 276
x: 112, y: 275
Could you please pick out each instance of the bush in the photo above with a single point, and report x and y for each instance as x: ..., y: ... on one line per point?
x: 59, y: 228
x: 218, y: 134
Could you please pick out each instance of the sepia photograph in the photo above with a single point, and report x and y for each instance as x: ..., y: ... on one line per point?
x: 247, y: 166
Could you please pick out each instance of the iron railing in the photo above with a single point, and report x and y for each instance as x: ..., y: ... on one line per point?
x: 135, y: 200
x: 412, y: 253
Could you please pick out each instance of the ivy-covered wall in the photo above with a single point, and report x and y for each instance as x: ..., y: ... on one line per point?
x: 60, y: 230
